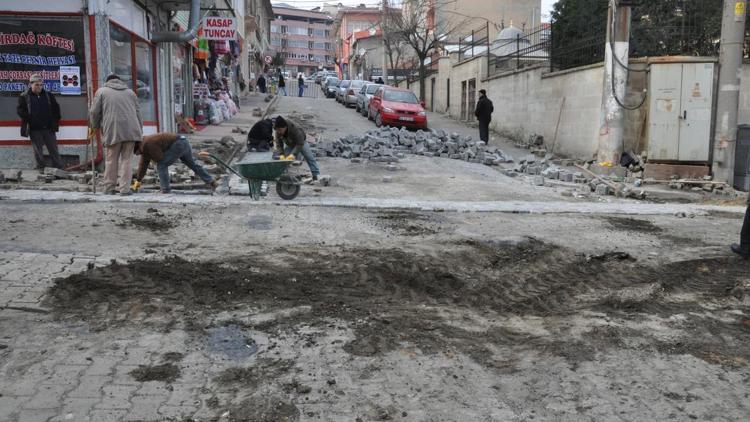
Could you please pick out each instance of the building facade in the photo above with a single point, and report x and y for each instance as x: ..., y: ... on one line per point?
x: 258, y: 17
x: 348, y: 21
x: 91, y: 39
x: 304, y: 38
x: 523, y: 14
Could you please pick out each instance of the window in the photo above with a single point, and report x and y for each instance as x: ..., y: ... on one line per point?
x: 309, y: 32
x: 328, y: 46
x: 283, y: 29
x: 139, y: 76
x: 284, y: 42
x: 275, y: 28
x: 327, y: 33
x: 310, y: 45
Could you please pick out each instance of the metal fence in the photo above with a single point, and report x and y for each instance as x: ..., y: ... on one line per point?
x: 525, y: 49
x: 475, y: 43
x: 311, y: 89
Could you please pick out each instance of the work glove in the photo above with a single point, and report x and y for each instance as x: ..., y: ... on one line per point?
x: 289, y: 157
x: 136, y: 185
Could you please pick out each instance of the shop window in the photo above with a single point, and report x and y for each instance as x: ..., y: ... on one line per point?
x: 132, y: 60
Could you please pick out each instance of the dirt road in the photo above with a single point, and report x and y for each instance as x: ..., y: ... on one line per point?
x: 283, y: 313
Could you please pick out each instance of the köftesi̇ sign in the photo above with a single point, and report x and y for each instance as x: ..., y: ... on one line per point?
x: 221, y: 29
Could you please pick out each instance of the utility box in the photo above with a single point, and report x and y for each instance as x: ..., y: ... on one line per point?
x: 681, y: 101
x: 742, y: 159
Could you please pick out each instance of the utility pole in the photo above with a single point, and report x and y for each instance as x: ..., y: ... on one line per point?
x: 617, y: 50
x: 730, y: 68
x: 386, y: 17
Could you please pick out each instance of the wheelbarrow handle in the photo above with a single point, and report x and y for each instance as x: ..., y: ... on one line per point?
x: 220, y: 162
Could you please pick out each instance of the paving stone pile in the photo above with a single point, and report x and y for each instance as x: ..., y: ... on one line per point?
x: 392, y: 144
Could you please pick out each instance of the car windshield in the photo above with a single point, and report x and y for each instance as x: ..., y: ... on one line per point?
x: 400, y: 97
x: 345, y: 83
x: 357, y: 84
x: 372, y: 88
x: 333, y: 81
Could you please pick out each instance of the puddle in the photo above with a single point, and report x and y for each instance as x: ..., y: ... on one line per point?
x: 233, y: 341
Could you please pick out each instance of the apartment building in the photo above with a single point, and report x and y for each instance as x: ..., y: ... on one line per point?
x: 304, y: 38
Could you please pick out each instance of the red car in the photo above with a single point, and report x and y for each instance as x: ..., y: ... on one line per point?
x: 397, y: 107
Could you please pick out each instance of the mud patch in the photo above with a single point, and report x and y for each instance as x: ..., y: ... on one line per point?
x: 390, y: 299
x: 265, y: 408
x: 263, y: 371
x: 167, y: 372
x: 407, y: 223
x: 633, y: 225
x: 154, y: 222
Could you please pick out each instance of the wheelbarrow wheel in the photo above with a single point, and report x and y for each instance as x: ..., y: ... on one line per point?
x: 287, y: 191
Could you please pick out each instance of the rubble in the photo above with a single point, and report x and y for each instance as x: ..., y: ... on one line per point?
x: 13, y: 175
x: 58, y: 173
x: 389, y: 145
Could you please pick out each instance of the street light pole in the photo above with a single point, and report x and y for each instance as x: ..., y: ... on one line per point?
x: 730, y: 68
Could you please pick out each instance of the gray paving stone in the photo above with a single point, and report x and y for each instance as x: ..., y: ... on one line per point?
x: 107, y: 415
x: 90, y: 386
x: 36, y: 415
x: 10, y: 405
x: 47, y: 397
x: 116, y: 397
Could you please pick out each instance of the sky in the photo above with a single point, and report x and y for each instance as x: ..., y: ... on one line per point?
x: 309, y: 4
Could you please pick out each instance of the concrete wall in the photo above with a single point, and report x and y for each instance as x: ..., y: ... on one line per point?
x: 744, y: 117
x: 531, y: 101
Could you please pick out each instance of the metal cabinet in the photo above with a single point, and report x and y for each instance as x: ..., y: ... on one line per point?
x: 681, y: 98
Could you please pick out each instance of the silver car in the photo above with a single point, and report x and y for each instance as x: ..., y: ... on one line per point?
x: 363, y: 98
x: 330, y: 86
x: 341, y: 92
x: 350, y: 96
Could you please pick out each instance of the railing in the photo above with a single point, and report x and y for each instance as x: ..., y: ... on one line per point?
x: 525, y: 49
x: 474, y: 44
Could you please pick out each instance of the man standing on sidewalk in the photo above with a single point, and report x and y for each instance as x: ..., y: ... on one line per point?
x: 116, y: 111
x: 282, y: 84
x: 291, y: 140
x: 301, y: 84
x: 165, y: 149
x: 743, y: 248
x: 484, y: 116
x: 40, y: 119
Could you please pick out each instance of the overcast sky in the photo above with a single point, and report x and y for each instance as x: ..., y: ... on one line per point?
x: 309, y: 4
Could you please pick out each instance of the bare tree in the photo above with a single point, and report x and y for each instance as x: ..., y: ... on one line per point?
x: 422, y: 27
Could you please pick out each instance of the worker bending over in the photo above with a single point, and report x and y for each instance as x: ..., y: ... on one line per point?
x: 165, y: 149
x: 291, y: 141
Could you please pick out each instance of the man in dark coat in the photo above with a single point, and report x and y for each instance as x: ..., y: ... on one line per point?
x: 40, y: 119
x: 260, y: 137
x: 262, y: 83
x: 743, y: 248
x: 291, y: 141
x: 282, y: 84
x: 484, y: 116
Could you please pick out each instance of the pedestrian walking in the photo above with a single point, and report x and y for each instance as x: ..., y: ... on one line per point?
x: 484, y: 116
x: 40, y: 120
x: 262, y: 83
x: 282, y: 83
x: 291, y: 140
x: 380, y: 81
x: 301, y: 83
x: 743, y: 248
x: 116, y: 112
x: 165, y: 149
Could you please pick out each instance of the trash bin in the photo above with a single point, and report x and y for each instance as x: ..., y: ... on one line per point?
x: 742, y: 159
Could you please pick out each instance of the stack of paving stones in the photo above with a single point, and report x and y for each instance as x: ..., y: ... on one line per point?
x: 546, y: 168
x: 392, y: 144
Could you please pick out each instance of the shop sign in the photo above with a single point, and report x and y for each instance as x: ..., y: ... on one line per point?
x: 44, y: 46
x: 219, y: 29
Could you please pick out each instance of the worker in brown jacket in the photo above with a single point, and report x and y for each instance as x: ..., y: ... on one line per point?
x: 165, y: 149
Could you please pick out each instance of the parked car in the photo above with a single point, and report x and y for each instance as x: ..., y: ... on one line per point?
x: 321, y: 76
x: 364, y: 96
x: 329, y: 86
x: 341, y: 92
x: 397, y: 107
x: 350, y: 96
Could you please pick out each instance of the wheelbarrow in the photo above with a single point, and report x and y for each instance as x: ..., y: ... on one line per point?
x: 287, y: 186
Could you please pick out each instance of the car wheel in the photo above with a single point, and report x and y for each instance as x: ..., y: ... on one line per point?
x: 378, y: 120
x: 357, y: 107
x: 369, y: 115
x: 366, y: 113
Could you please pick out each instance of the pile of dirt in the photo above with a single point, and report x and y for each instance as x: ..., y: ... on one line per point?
x: 407, y: 223
x: 392, y: 298
x: 155, y: 222
x: 167, y: 372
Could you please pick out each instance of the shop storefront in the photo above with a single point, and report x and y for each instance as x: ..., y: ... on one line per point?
x: 52, y: 46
